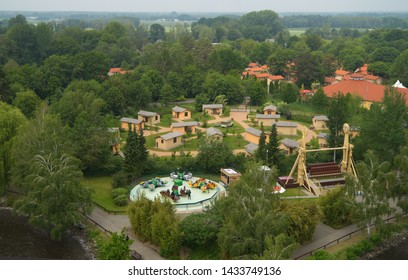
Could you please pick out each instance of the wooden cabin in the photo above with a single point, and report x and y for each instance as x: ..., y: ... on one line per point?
x: 148, y: 117
x: 180, y: 113
x: 184, y: 127
x: 169, y: 141
x: 213, y: 109
x: 137, y: 124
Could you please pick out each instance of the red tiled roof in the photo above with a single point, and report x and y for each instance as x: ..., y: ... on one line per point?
x: 276, y: 78
x: 262, y: 75
x: 366, y: 90
x: 253, y: 64
x: 341, y: 72
x: 329, y: 80
x: 371, y: 77
x: 115, y: 70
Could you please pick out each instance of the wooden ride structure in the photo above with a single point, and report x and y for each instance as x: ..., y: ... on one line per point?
x: 315, y: 176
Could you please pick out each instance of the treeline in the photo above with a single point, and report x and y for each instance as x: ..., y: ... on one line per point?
x: 345, y: 21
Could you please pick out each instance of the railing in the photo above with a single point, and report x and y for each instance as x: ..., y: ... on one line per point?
x: 337, y: 241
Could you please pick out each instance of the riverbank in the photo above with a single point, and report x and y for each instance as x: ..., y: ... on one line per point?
x: 21, y: 240
x: 391, y: 243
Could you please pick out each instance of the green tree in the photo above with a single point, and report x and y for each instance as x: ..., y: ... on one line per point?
x: 399, y: 68
x: 167, y: 94
x: 368, y: 193
x: 274, y: 156
x: 57, y: 199
x: 260, y: 153
x: 336, y: 212
x: 40, y: 135
x: 27, y: 102
x: 391, y: 116
x: 156, y: 32
x: 401, y: 190
x: 277, y: 247
x: 252, y: 215
x: 140, y: 214
x: 207, y: 152
x: 10, y: 121
x: 200, y: 230
x: 320, y: 100
x: 117, y: 248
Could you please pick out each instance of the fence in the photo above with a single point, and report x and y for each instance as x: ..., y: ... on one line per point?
x: 337, y: 241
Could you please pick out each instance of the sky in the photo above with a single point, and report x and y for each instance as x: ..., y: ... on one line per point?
x: 180, y: 6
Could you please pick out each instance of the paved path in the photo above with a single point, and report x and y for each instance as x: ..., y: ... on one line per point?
x: 115, y: 223
x: 322, y: 236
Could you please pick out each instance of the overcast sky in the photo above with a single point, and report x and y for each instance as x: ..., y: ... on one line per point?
x: 206, y: 5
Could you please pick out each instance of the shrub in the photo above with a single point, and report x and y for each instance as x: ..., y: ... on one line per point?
x: 200, y: 229
x: 119, y: 191
x: 335, y: 211
x: 119, y: 180
x: 321, y: 255
x: 121, y: 200
x: 120, y: 196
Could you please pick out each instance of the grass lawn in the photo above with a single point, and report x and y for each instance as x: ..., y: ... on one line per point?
x: 166, y: 120
x: 189, y: 145
x: 102, y: 189
x: 235, y: 142
x: 235, y: 129
x: 293, y: 192
x: 297, y: 31
x: 151, y: 140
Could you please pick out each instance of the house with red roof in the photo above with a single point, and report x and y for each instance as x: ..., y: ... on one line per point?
x: 114, y: 71
x: 357, y: 84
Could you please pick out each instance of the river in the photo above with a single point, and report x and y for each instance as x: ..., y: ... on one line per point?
x: 19, y: 240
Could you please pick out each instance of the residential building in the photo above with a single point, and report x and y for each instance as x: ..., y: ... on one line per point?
x: 213, y: 109
x: 320, y: 122
x: 169, y: 141
x: 148, y: 117
x: 251, y: 148
x: 133, y: 123
x: 180, y: 113
x: 358, y: 85
x: 267, y: 120
x: 253, y: 135
x: 287, y: 128
x: 289, y: 146
x: 184, y: 127
x: 270, y: 110
x: 214, y: 134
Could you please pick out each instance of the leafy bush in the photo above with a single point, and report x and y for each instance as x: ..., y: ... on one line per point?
x: 119, y: 180
x: 119, y: 191
x: 303, y: 218
x: 200, y: 229
x: 121, y: 200
x: 334, y: 208
x: 120, y: 196
x: 321, y: 255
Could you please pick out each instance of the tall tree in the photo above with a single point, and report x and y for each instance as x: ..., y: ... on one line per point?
x: 369, y: 192
x: 57, y: 198
x: 130, y: 153
x: 382, y: 127
x: 10, y: 121
x: 260, y: 153
x: 253, y: 215
x: 274, y: 154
